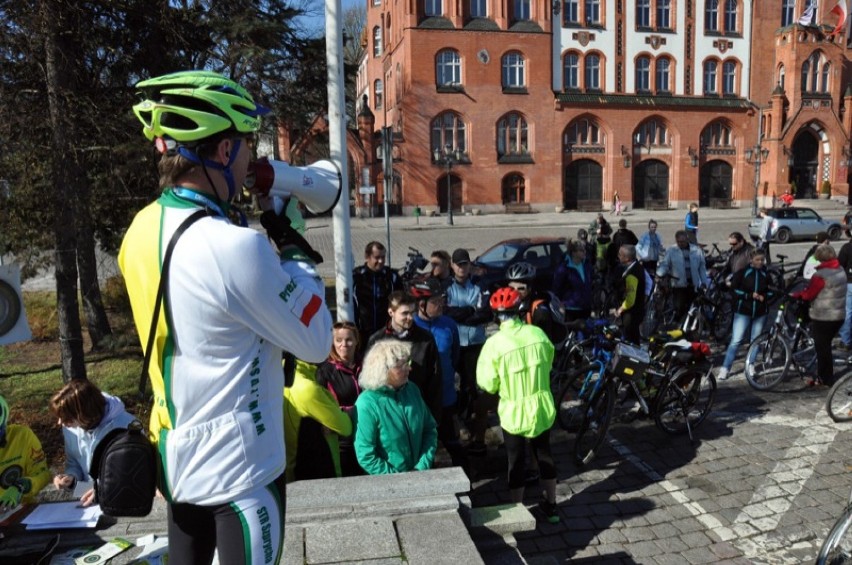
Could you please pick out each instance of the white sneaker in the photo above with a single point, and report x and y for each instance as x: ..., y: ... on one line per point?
x: 721, y: 374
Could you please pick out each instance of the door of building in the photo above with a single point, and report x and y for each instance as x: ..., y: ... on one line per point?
x: 805, y: 165
x: 651, y: 185
x: 714, y: 185
x: 582, y: 187
x: 455, y: 188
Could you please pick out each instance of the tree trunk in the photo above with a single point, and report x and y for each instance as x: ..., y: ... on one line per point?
x: 93, y: 306
x: 63, y: 167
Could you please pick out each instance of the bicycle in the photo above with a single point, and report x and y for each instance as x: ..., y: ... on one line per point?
x: 660, y: 309
x: 838, y: 403
x: 711, y: 312
x: 837, y: 547
x: 771, y: 356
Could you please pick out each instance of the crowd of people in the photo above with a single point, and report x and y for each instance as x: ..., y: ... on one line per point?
x: 372, y: 396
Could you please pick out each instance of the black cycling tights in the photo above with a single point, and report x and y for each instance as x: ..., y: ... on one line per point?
x: 246, y: 531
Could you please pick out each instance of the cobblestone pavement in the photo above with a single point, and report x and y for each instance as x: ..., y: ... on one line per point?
x: 766, y: 478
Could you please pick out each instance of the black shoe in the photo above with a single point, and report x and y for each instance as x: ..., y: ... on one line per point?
x: 550, y: 511
x: 477, y: 449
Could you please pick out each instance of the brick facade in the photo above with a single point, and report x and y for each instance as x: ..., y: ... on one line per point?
x: 679, y: 136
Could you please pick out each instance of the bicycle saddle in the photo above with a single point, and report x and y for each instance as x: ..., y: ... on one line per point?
x: 782, y: 257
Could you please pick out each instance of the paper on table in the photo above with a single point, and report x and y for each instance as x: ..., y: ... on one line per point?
x: 82, y: 487
x: 62, y: 515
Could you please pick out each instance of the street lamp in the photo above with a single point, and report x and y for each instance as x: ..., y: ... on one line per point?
x: 448, y: 158
x: 756, y: 156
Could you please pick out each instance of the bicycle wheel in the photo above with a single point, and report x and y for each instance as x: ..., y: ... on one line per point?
x: 686, y: 397
x: 569, y: 405
x: 723, y: 318
x: 767, y: 361
x: 837, y: 547
x: 839, y: 401
x: 593, y: 428
x: 651, y: 320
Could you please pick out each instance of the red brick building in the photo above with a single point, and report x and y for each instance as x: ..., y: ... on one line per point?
x: 561, y: 104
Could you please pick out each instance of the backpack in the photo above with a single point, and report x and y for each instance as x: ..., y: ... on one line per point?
x: 124, y: 469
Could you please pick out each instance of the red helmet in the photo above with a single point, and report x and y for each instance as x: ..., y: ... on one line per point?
x: 505, y: 299
x: 424, y: 289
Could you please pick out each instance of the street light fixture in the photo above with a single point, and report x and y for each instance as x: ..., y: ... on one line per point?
x: 790, y: 158
x: 756, y: 156
x: 448, y: 158
x: 693, y: 156
x: 625, y: 157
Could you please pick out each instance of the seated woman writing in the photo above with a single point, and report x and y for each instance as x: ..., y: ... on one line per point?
x: 86, y: 415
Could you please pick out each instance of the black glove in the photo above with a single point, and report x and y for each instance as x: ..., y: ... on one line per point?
x: 280, y: 231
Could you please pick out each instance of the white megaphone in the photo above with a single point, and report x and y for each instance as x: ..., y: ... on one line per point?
x: 317, y: 186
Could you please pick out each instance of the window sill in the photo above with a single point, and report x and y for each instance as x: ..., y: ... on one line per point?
x: 449, y: 88
x: 515, y: 159
x: 515, y: 90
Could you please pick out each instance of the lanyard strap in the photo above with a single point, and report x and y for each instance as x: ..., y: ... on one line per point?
x: 161, y: 291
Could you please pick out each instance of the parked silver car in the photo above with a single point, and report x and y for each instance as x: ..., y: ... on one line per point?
x: 795, y: 223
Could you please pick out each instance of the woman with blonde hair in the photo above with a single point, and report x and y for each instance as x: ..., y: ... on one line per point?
x: 395, y: 431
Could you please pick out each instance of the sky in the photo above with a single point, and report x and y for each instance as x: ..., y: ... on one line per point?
x: 317, y: 20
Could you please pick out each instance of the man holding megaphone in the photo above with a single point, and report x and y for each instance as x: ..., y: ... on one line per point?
x: 232, y: 305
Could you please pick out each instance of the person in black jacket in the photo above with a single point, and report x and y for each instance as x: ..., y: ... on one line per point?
x: 622, y: 236
x: 540, y: 309
x: 425, y: 359
x: 751, y: 293
x: 372, y: 283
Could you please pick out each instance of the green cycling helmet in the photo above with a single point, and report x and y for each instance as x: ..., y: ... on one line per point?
x: 190, y: 106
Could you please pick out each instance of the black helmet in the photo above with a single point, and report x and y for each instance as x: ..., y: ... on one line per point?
x: 522, y: 271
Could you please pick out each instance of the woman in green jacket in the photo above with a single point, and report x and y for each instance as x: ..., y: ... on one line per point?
x: 395, y: 432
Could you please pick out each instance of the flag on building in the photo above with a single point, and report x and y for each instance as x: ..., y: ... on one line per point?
x: 807, y: 17
x: 840, y: 10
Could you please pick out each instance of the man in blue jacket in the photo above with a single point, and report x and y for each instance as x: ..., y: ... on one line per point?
x: 430, y: 317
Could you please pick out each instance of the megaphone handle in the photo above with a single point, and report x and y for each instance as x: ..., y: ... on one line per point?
x: 293, y: 237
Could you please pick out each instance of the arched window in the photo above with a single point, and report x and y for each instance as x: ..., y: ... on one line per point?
x: 782, y: 74
x: 512, y: 135
x: 730, y: 16
x: 643, y: 74
x: 826, y: 72
x: 513, y: 188
x: 663, y: 76
x: 664, y: 14
x: 593, y: 12
x: 522, y: 9
x: 478, y: 9
x: 571, y: 12
x: 643, y: 13
x: 717, y: 134
x: 710, y: 68
x: 377, y: 41
x: 378, y: 94
x: 583, y: 132
x: 651, y: 133
x: 787, y: 7
x: 448, y: 129
x: 729, y: 78
x: 814, y: 72
x: 513, y: 70
x: 448, y: 68
x: 711, y: 15
x: 571, y: 71
x: 806, y: 71
x: 433, y: 8
x: 593, y: 72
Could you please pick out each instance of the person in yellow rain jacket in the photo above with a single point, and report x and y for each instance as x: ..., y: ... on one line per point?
x: 23, y: 466
x: 311, y: 414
